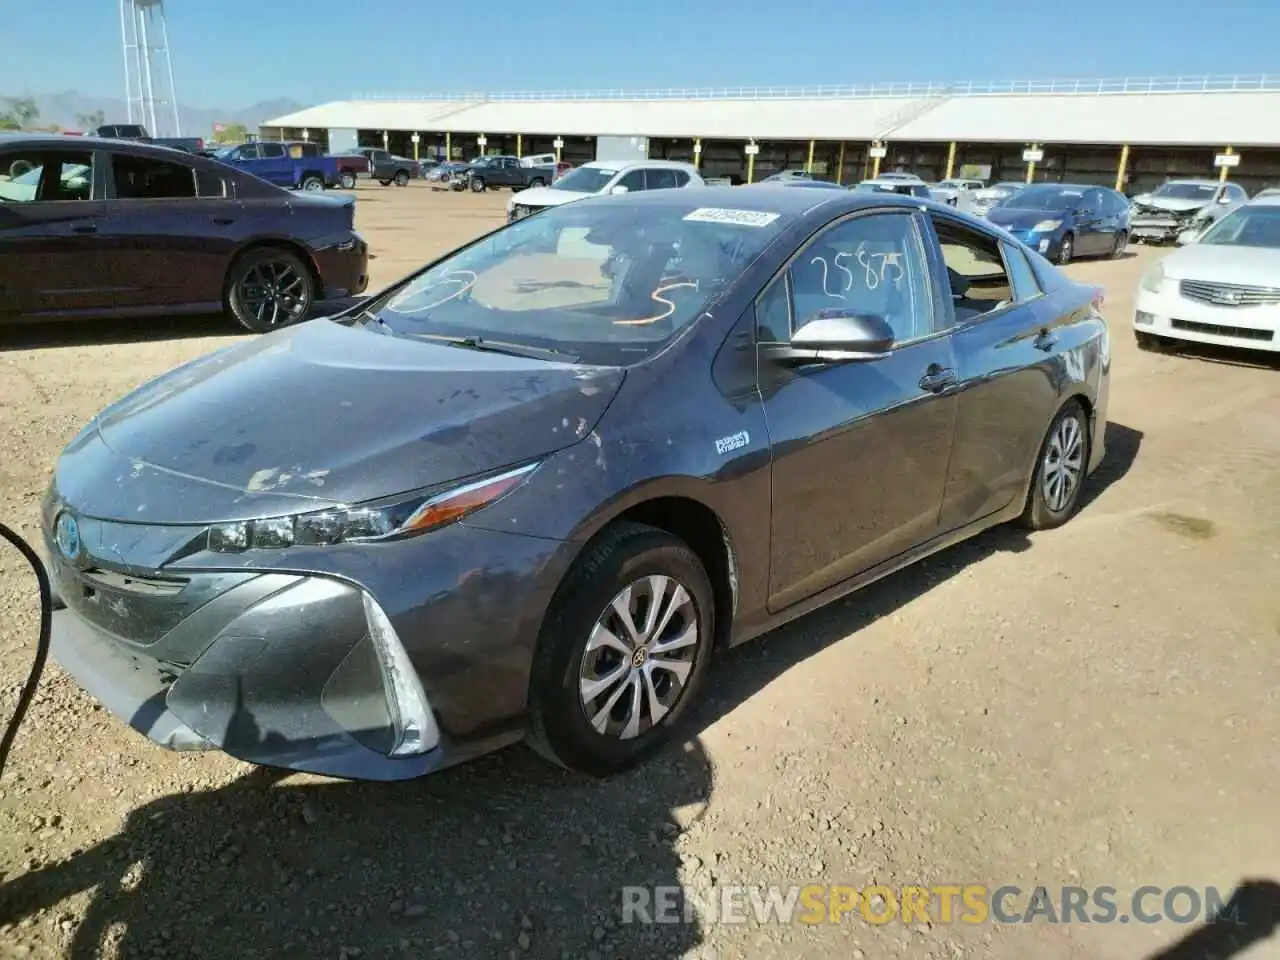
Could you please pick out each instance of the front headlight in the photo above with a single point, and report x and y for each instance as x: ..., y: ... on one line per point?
x: 1045, y: 226
x: 390, y: 519
x: 1153, y: 279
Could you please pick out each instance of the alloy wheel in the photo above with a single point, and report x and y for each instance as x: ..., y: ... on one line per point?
x: 639, y: 657
x: 1063, y: 464
x: 274, y: 293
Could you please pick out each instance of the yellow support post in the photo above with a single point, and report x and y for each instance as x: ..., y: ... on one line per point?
x: 519, y: 145
x: 697, y: 153
x: 558, y: 144
x: 1222, y: 171
x: 751, y: 161
x: 416, y: 145
x: 875, y: 164
x: 951, y: 160
x: 448, y: 146
x: 808, y: 164
x: 840, y: 165
x: 1031, y: 168
x: 1124, y: 167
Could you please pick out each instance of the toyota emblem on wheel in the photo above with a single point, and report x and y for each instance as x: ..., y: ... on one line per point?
x: 66, y: 534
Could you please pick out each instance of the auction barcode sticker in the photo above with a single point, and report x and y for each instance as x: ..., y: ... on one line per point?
x: 744, y: 218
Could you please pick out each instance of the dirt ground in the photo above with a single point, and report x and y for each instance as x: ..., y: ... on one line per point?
x: 1095, y: 705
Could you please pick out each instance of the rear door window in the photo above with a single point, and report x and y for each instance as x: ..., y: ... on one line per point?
x: 145, y: 178
x: 660, y: 178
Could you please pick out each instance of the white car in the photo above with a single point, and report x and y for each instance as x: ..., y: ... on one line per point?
x: 604, y: 176
x: 957, y: 192
x: 1223, y: 289
x: 538, y: 160
x: 1181, y: 210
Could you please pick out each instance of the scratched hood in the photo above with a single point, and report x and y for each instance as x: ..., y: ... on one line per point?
x: 322, y: 413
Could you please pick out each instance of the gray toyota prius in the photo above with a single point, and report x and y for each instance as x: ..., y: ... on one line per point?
x: 531, y: 490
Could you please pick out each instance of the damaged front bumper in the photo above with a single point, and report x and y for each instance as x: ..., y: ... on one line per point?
x: 304, y: 673
x: 1161, y: 227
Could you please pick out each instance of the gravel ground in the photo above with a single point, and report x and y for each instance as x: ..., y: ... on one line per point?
x: 1092, y: 705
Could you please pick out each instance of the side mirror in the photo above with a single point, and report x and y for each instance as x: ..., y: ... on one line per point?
x: 1083, y: 212
x: 1224, y: 199
x: 836, y: 336
x: 619, y: 189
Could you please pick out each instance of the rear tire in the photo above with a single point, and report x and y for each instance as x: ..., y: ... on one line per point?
x: 477, y: 185
x: 348, y: 180
x: 602, y: 699
x: 312, y: 184
x: 385, y: 183
x: 1061, y: 469
x: 537, y: 182
x: 268, y: 288
x: 402, y: 178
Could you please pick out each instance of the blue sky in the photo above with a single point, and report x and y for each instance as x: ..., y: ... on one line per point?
x: 232, y: 53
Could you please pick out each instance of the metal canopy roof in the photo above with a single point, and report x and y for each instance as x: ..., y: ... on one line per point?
x: 1206, y: 111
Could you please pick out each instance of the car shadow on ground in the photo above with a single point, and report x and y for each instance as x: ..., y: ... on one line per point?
x: 83, y: 333
x: 506, y: 856
x: 1227, y: 356
x: 1251, y: 915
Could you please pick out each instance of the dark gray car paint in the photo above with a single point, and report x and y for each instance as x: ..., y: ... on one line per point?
x: 822, y: 498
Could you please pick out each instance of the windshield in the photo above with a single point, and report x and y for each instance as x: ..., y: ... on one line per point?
x: 1246, y: 227
x: 601, y: 282
x: 225, y: 152
x: 1186, y: 191
x: 585, y: 179
x: 871, y: 186
x: 1056, y: 199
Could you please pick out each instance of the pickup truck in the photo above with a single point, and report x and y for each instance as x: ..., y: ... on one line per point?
x: 486, y: 172
x: 385, y: 167
x: 138, y: 134
x: 295, y: 165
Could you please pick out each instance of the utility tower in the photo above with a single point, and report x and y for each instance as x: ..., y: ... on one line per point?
x: 148, y: 66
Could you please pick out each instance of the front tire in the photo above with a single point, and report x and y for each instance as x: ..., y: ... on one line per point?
x: 623, y: 652
x: 312, y: 184
x: 269, y: 288
x: 1067, y: 250
x: 1060, y: 470
x: 1122, y: 241
x: 385, y: 183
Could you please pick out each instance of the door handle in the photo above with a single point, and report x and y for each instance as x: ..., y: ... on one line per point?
x: 1045, y: 341
x: 85, y: 228
x: 937, y: 379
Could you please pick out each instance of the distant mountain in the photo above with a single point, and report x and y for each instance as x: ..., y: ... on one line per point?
x: 65, y: 109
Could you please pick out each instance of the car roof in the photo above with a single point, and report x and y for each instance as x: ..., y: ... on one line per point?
x: 41, y: 141
x: 1197, y: 182
x: 628, y: 164
x: 1266, y: 200
x: 769, y: 198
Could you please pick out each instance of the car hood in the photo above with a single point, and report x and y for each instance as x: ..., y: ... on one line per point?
x: 548, y: 197
x: 1011, y: 218
x: 319, y: 414
x: 1223, y: 263
x: 1171, y: 204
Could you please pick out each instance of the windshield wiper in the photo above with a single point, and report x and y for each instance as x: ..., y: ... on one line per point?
x: 498, y: 346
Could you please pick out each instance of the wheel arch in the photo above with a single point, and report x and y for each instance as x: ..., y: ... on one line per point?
x: 286, y: 244
x: 692, y: 521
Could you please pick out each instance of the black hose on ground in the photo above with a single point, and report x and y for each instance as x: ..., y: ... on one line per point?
x: 42, y: 642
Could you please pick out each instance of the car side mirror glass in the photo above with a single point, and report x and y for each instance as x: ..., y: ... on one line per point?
x: 1224, y: 199
x: 836, y: 336
x: 619, y: 189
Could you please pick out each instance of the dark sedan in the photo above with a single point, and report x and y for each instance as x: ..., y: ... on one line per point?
x: 1066, y: 220
x: 100, y: 228
x: 531, y: 490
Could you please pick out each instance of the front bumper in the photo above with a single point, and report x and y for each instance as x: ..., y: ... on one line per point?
x: 518, y: 211
x: 1158, y: 229
x: 1046, y: 244
x: 311, y: 671
x: 1169, y: 314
